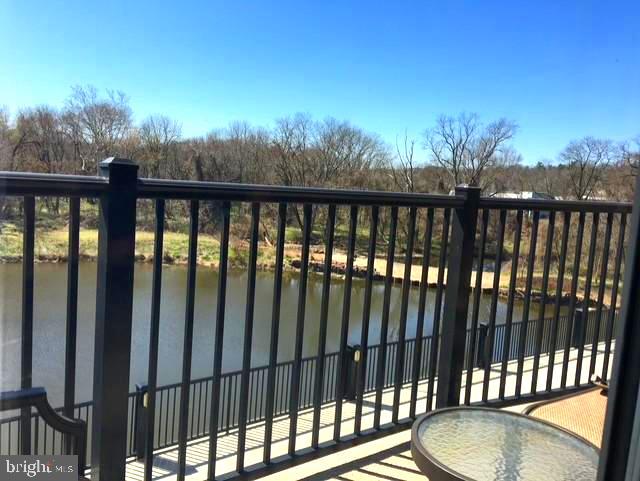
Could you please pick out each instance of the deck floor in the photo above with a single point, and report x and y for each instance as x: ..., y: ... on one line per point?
x: 383, y: 458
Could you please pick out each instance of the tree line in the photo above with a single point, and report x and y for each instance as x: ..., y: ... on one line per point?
x: 301, y: 151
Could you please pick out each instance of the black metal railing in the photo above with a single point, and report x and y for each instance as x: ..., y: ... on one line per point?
x: 458, y: 234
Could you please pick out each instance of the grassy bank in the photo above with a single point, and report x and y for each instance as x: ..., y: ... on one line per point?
x: 51, y: 245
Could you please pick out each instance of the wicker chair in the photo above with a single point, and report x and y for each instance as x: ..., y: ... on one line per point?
x: 582, y: 413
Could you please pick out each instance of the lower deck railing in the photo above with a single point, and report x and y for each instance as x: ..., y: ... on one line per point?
x: 47, y: 441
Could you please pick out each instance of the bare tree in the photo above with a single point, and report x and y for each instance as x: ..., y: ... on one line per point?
x: 504, y: 173
x: 328, y: 153
x: 466, y: 148
x: 97, y: 126
x: 159, y: 136
x: 248, y: 149
x: 630, y: 154
x: 324, y: 154
x: 403, y: 170
x: 41, y: 140
x: 347, y: 154
x: 586, y: 161
x: 5, y: 140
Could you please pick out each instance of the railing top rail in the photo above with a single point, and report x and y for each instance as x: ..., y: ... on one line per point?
x: 555, y: 205
x: 179, y: 189
x: 27, y: 183
x: 24, y: 183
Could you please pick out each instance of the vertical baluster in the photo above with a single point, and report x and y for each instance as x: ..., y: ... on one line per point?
x: 282, y: 391
x: 601, y: 289
x: 575, y: 278
x: 260, y: 413
x: 559, y: 291
x: 162, y: 422
x: 437, y: 308
x: 543, y: 302
x: 166, y: 416
x: 344, y: 325
x: 275, y: 330
x: 322, y: 335
x: 506, y: 346
x: 494, y: 306
x: 72, y: 315
x: 252, y: 396
x: 524, y: 327
x: 154, y: 336
x: 614, y: 295
x: 230, y: 402
x: 384, y: 324
x: 218, y: 338
x: 422, y: 305
x: 587, y: 295
x: 366, y: 317
x: 308, y: 370
x: 224, y: 395
x: 174, y: 411
x: 26, y: 360
x: 192, y: 410
x: 233, y: 401
x: 206, y: 407
x: 248, y: 335
x: 285, y: 391
x: 36, y: 435
x: 202, y: 385
x: 302, y: 302
x: 371, y: 371
x: 187, y: 349
x: 475, y: 313
x: 132, y: 414
x: 404, y: 307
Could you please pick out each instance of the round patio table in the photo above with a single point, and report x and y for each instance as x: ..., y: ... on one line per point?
x: 483, y: 444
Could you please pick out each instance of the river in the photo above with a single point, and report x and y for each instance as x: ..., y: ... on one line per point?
x: 50, y: 306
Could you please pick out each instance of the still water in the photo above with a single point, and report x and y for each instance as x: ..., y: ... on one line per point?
x: 50, y: 306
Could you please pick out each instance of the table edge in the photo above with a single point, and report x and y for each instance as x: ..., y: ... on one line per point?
x: 440, y: 472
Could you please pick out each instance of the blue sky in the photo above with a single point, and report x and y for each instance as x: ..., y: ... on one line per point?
x: 560, y: 69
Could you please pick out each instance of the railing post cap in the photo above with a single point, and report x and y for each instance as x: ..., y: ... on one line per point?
x: 467, y: 188
x: 468, y: 192
x: 115, y: 162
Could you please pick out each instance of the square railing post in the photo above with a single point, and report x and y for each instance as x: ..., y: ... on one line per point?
x: 140, y: 421
x: 456, y: 302
x: 114, y: 302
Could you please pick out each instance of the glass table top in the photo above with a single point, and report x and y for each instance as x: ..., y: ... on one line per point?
x: 485, y: 444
